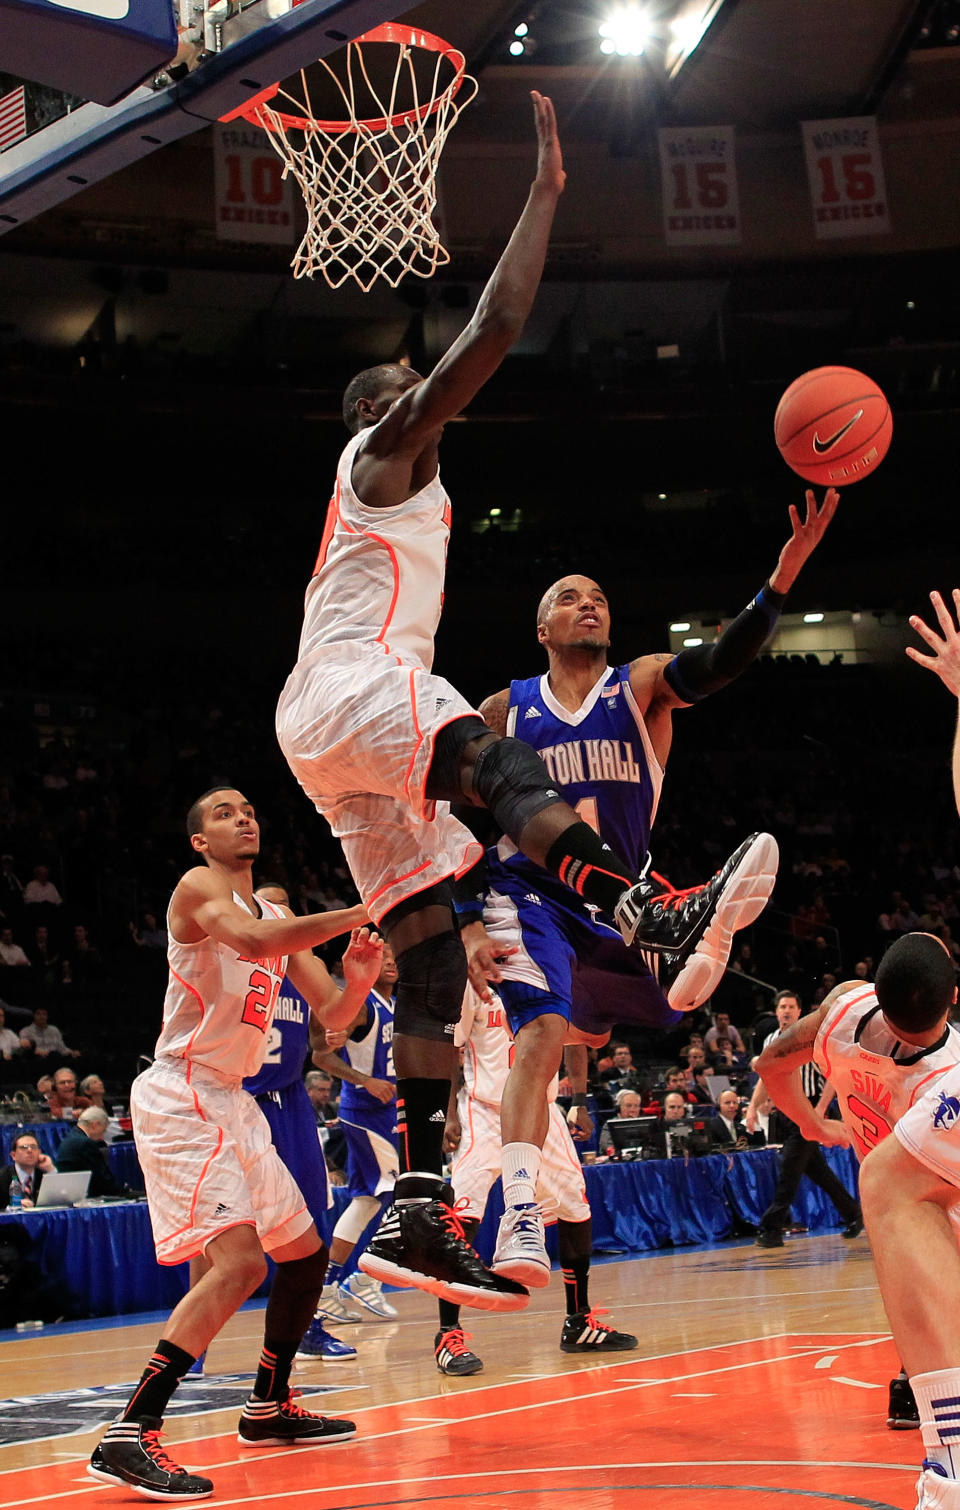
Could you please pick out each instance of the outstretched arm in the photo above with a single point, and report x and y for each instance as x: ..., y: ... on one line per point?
x: 779, y: 1069
x: 945, y: 661
x: 661, y: 683
x: 416, y: 417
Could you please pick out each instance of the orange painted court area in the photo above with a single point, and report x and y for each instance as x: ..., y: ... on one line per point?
x: 758, y: 1423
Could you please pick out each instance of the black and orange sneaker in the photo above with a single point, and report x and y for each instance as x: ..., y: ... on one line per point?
x: 685, y: 937
x: 584, y: 1333
x: 452, y: 1354
x: 284, y: 1423
x: 421, y: 1243
x: 130, y: 1453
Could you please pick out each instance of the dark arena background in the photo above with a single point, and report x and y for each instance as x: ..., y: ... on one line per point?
x: 170, y: 413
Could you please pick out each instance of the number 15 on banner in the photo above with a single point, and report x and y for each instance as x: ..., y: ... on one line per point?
x: 845, y: 170
x: 698, y: 172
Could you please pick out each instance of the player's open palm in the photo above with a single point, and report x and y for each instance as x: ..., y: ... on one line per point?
x: 550, y: 159
x: 805, y: 535
x: 363, y: 958
x: 945, y: 660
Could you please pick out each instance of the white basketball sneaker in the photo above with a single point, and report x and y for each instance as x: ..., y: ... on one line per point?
x: 331, y: 1307
x: 368, y: 1292
x: 935, y: 1491
x: 521, y: 1252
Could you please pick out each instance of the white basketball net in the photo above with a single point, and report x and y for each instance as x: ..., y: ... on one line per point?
x: 369, y: 184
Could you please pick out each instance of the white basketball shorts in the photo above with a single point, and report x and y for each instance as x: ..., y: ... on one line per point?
x: 476, y: 1164
x: 358, y: 732
x: 208, y: 1162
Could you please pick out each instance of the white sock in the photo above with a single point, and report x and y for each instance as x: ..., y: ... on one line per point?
x: 938, y: 1401
x: 520, y: 1163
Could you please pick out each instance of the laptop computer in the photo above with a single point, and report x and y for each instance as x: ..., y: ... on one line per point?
x: 62, y: 1189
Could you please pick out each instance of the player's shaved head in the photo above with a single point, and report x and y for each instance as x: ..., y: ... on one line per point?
x: 369, y: 384
x: 916, y: 983
x: 563, y: 585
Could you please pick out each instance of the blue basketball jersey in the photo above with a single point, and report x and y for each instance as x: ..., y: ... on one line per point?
x: 288, y: 1044
x: 600, y: 758
x: 371, y: 1053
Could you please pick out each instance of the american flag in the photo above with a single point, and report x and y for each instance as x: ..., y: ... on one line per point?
x: 13, y: 117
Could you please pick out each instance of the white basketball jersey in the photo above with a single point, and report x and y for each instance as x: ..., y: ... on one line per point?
x: 379, y: 574
x: 876, y: 1075
x: 487, y: 1050
x: 219, y: 1006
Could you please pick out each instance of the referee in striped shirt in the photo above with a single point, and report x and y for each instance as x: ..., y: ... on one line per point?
x: 798, y: 1155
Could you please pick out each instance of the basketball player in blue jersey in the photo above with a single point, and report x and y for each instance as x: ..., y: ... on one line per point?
x: 604, y: 734
x: 368, y: 1116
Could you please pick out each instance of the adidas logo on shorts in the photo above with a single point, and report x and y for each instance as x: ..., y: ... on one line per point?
x: 221, y: 1211
x: 437, y: 1116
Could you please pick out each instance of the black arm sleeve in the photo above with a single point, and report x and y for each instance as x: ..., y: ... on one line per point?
x: 702, y: 669
x: 469, y: 892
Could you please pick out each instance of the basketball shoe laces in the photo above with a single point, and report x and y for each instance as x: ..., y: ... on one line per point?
x: 454, y: 1223
x: 150, y: 1442
x: 590, y: 1319
x: 672, y: 896
x: 455, y: 1341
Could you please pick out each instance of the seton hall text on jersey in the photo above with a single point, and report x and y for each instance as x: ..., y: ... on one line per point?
x: 591, y: 760
x: 289, y: 1009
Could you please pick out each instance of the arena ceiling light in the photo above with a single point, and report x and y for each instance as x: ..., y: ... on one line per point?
x: 680, y: 627
x: 813, y: 618
x: 626, y: 31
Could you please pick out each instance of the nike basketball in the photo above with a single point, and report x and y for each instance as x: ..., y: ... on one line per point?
x: 833, y: 426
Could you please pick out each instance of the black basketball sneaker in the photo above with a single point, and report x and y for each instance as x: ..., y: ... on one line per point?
x: 130, y: 1453
x: 584, y: 1333
x: 685, y: 937
x: 453, y: 1356
x: 284, y: 1423
x: 421, y: 1243
x: 902, y: 1413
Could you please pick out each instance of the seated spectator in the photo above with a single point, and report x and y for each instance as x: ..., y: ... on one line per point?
x: 28, y: 1165
x: 675, y: 1081
x: 149, y: 935
x: 45, y: 956
x: 674, y: 1118
x: 700, y: 1085
x: 722, y: 1027
x: 628, y: 1105
x: 727, y: 1129
x: 45, y: 1090
x: 319, y: 1087
x: 9, y: 1040
x: 11, y: 954
x: 83, y: 1149
x: 696, y: 1063
x: 65, y: 1104
x: 42, y: 1039
x: 622, y: 1068
x: 40, y: 891
x: 724, y: 1058
x: 94, y: 1092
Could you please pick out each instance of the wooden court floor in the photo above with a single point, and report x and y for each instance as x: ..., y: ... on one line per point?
x: 760, y: 1379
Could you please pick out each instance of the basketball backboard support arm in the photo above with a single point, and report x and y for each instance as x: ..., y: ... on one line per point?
x: 94, y: 141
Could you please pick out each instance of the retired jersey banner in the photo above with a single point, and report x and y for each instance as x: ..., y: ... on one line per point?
x: 845, y: 170
x: 701, y: 205
x: 253, y: 201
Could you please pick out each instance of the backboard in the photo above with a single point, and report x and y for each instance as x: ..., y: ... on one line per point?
x: 58, y: 144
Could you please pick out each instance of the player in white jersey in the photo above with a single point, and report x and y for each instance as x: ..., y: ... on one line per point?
x: 215, y: 1184
x: 880, y: 1048
x: 473, y: 1137
x: 909, y: 1186
x: 381, y: 746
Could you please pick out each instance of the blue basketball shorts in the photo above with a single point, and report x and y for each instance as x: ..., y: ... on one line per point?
x: 293, y: 1127
x: 569, y: 961
x: 372, y: 1161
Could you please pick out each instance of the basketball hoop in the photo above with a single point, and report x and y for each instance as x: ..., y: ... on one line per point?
x: 369, y: 180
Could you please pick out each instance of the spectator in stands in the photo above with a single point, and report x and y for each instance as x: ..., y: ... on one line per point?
x: 628, y: 1105
x: 320, y: 1090
x: 45, y: 956
x: 700, y: 1084
x: 623, y: 1072
x: 40, y: 891
x: 724, y: 1058
x: 45, y: 1090
x: 65, y: 1104
x: 722, y: 1027
x: 675, y: 1083
x: 83, y: 1149
x: 94, y: 1091
x: 84, y: 962
x: 28, y: 1165
x: 149, y: 935
x: 42, y: 1039
x: 9, y: 1040
x: 696, y: 1062
x: 11, y: 954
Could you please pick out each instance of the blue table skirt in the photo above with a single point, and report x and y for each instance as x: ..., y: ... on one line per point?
x: 105, y: 1253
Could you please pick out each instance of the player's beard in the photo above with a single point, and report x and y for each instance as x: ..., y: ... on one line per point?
x: 596, y: 646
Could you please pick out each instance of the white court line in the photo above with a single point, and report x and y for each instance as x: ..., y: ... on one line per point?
x: 827, y: 1361
x: 857, y: 1383
x: 464, y: 1420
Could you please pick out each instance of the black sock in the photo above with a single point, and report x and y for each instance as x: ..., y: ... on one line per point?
x: 587, y: 865
x: 158, y: 1381
x: 574, y: 1245
x: 273, y: 1370
x: 449, y: 1315
x: 421, y: 1118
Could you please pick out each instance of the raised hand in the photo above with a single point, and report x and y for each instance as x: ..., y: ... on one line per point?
x: 484, y: 959
x: 945, y: 660
x: 805, y: 536
x: 550, y: 160
x: 363, y: 958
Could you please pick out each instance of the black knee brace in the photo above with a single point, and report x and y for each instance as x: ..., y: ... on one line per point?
x: 511, y: 780
x: 443, y: 778
x: 431, y: 980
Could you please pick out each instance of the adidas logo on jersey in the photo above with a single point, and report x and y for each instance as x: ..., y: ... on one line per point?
x: 531, y: 713
x: 531, y: 896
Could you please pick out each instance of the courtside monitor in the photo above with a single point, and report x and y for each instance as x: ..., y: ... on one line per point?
x: 627, y: 1134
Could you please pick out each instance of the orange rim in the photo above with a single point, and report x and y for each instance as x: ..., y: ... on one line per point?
x: 259, y: 112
